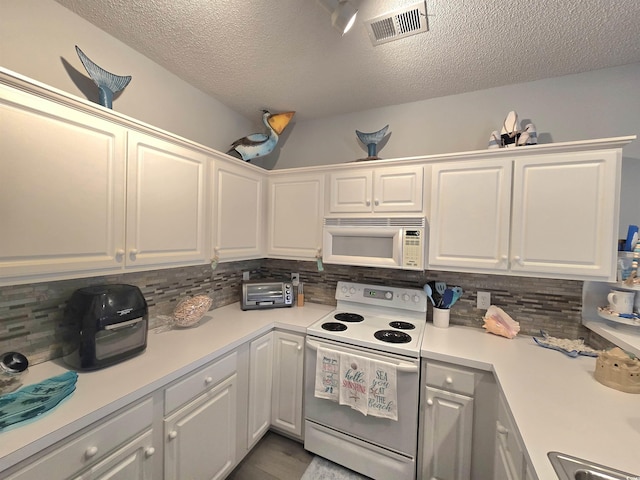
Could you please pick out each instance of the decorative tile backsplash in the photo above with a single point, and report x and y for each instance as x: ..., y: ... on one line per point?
x: 32, y: 316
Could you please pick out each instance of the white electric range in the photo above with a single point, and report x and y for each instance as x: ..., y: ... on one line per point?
x: 378, y: 323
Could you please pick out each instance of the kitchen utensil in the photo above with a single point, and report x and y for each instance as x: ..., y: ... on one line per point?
x: 427, y: 290
x: 447, y: 298
x: 437, y: 296
x: 441, y: 287
x: 457, y: 293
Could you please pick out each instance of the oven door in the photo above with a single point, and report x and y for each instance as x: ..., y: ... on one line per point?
x: 344, y: 435
x: 364, y: 246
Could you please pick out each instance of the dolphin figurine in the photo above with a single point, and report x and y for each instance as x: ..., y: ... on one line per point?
x: 260, y: 144
x: 107, y: 82
x: 371, y: 140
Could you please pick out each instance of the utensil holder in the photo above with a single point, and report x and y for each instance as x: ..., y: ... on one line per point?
x: 440, y: 317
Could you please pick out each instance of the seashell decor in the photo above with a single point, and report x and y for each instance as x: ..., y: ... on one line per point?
x: 498, y: 322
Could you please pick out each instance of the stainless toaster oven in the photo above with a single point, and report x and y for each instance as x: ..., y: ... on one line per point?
x: 266, y: 294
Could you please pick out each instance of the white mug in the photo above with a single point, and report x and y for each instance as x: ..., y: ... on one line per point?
x: 621, y: 301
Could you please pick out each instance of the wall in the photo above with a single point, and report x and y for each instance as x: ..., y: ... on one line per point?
x: 38, y: 39
x: 597, y: 104
x: 32, y: 317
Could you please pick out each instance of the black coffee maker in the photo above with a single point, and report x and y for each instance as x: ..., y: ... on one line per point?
x: 110, y: 322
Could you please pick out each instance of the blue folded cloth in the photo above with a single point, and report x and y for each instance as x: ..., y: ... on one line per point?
x: 35, y: 399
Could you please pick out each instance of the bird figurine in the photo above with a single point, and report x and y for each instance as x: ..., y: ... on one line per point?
x: 260, y: 144
x: 371, y: 140
x: 108, y: 83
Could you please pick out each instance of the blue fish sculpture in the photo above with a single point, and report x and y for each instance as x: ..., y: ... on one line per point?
x: 371, y: 140
x: 260, y: 144
x: 108, y: 83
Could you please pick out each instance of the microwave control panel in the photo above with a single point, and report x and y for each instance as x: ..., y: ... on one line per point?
x: 412, y: 248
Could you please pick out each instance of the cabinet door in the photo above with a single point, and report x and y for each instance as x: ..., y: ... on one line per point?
x: 238, y: 212
x: 295, y: 216
x: 398, y: 189
x: 470, y: 209
x: 166, y: 205
x: 565, y: 216
x: 350, y: 191
x: 260, y: 382
x: 62, y: 199
x: 448, y: 430
x: 288, y: 367
x: 131, y: 462
x: 200, y: 438
x: 509, y: 459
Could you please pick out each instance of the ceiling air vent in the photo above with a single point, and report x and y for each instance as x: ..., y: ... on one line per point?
x: 404, y: 22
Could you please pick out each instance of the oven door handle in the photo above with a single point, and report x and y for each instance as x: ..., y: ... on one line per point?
x: 401, y: 367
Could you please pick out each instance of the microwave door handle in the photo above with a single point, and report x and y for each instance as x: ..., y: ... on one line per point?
x: 401, y: 367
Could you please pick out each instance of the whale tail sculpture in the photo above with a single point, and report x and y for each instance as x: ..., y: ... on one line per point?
x: 371, y: 140
x: 108, y: 83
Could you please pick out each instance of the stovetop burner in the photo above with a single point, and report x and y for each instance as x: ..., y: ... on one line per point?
x: 392, y: 336
x: 334, y: 326
x: 348, y: 317
x: 402, y: 325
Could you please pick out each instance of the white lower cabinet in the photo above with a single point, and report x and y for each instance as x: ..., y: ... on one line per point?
x: 260, y: 381
x: 286, y: 397
x: 120, y: 447
x: 510, y: 462
x: 447, y: 440
x: 201, y: 421
x: 457, y: 417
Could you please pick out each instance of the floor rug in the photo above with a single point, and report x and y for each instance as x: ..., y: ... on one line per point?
x: 322, y: 469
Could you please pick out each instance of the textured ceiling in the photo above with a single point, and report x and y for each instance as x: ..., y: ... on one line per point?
x: 284, y: 54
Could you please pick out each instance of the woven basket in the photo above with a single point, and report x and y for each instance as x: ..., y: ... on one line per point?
x: 189, y: 311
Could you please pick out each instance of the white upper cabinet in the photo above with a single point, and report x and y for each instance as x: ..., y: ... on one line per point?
x: 551, y: 215
x: 295, y: 212
x: 381, y: 189
x: 470, y: 208
x: 565, y: 214
x: 62, y: 199
x: 239, y: 210
x: 166, y: 203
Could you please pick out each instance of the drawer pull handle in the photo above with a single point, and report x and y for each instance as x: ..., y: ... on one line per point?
x: 91, y: 452
x: 430, y: 402
x: 449, y: 380
x: 172, y: 434
x: 208, y: 380
x: 502, y: 430
x: 149, y: 451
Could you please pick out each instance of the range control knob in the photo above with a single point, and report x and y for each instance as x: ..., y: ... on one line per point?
x: 352, y: 290
x: 405, y: 297
x: 388, y: 295
x: 416, y: 298
x: 344, y: 289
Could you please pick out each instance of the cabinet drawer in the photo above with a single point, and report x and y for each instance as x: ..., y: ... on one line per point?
x: 196, y: 383
x: 92, y: 446
x: 450, y: 379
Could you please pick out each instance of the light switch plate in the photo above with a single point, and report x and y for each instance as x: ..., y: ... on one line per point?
x: 245, y: 275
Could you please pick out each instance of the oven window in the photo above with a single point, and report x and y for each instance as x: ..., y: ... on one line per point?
x: 259, y: 293
x: 361, y: 246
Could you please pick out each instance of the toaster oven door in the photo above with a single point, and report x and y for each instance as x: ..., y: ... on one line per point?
x: 120, y: 338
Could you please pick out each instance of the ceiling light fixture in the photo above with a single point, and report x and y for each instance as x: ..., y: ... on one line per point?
x: 343, y: 14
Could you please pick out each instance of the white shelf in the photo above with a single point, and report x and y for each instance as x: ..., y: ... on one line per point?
x: 625, y: 336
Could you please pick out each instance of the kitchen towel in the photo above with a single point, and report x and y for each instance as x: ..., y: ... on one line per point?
x: 354, y: 382
x: 383, y: 395
x: 327, y: 373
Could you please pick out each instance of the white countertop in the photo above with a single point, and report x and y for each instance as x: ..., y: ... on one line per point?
x: 555, y: 400
x: 168, y: 356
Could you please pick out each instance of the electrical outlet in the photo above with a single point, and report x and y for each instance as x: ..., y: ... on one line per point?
x: 245, y: 275
x: 484, y: 300
x: 295, y: 279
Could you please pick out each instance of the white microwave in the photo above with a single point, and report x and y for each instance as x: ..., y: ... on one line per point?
x: 396, y: 242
